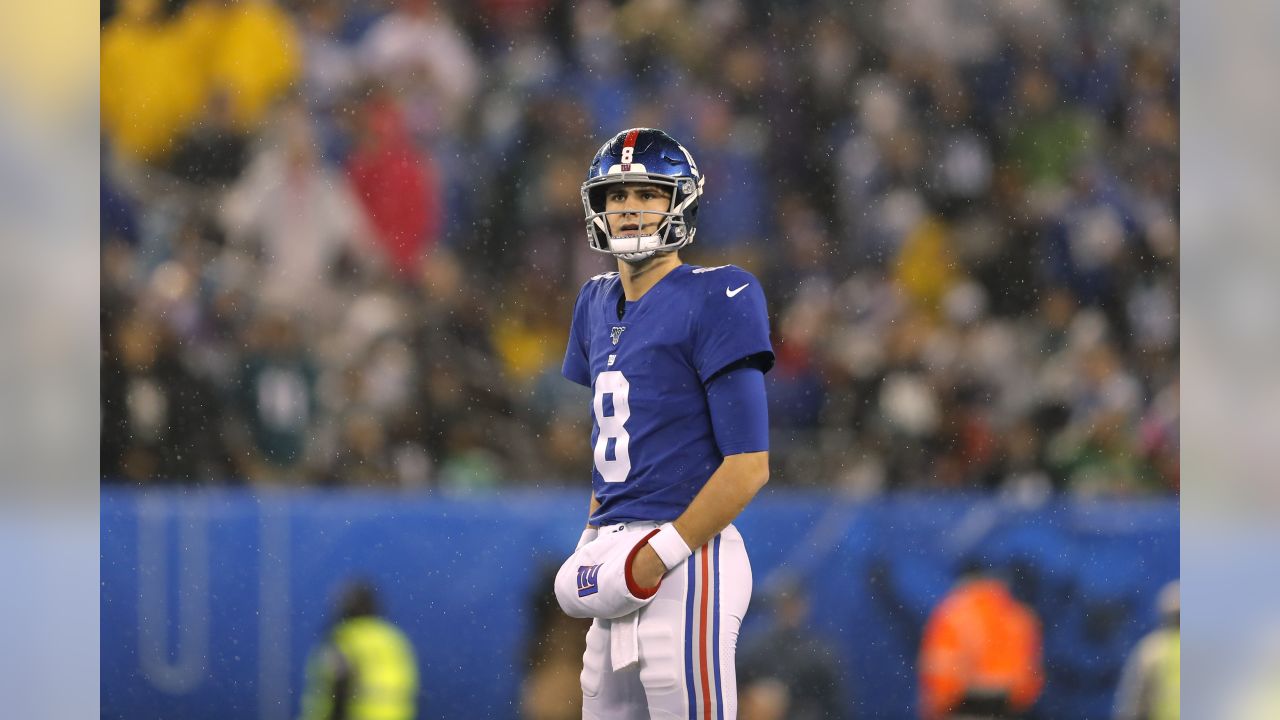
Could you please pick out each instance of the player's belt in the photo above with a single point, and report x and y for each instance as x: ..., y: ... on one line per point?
x: 633, y: 525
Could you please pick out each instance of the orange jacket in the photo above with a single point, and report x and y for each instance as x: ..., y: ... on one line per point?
x: 979, y: 638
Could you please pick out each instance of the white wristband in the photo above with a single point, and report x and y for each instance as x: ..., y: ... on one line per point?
x: 587, y: 536
x: 670, y: 547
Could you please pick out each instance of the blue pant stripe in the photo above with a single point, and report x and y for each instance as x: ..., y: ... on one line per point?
x: 690, y: 681
x: 715, y: 625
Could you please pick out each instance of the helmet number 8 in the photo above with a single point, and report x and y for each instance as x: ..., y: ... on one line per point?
x: 613, y: 385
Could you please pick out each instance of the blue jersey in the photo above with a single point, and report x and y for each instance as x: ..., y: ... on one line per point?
x: 651, y: 436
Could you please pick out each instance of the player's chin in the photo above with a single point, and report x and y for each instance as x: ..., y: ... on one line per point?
x: 633, y: 231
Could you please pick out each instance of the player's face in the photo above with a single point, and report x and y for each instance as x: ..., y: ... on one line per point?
x: 635, y: 208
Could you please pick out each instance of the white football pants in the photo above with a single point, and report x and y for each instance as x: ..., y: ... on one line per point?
x: 688, y: 637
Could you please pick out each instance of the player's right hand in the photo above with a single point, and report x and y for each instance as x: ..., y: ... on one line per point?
x: 593, y: 581
x: 647, y: 569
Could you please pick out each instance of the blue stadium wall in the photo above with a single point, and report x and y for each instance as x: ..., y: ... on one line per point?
x: 211, y: 599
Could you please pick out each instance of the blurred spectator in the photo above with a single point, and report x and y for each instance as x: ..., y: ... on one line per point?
x: 980, y: 656
x: 152, y: 83
x: 1159, y: 437
x: 214, y: 151
x: 160, y: 421
x: 1047, y: 137
x: 159, y: 72
x: 248, y: 51
x: 418, y: 50
x: 396, y: 185
x: 527, y: 338
x: 790, y: 672
x: 363, y: 458
x: 299, y: 216
x: 732, y: 154
x: 277, y: 400
x: 118, y: 214
x: 1151, y: 681
x: 924, y: 267
x: 329, y: 70
x: 468, y: 466
x: 965, y: 218
x: 364, y: 669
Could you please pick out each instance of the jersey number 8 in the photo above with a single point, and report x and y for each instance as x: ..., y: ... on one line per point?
x: 612, y: 384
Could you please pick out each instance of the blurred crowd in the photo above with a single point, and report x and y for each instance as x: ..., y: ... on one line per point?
x: 341, y: 241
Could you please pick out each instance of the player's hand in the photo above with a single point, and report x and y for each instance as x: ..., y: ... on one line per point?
x: 647, y: 568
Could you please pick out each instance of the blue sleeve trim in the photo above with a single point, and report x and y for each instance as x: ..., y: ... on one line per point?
x: 576, y: 365
x: 739, y: 411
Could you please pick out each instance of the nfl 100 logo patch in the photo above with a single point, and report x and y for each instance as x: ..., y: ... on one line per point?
x: 587, y: 580
x: 616, y: 333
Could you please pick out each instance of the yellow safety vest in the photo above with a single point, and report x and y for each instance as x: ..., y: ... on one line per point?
x: 1166, y: 703
x: 384, y: 674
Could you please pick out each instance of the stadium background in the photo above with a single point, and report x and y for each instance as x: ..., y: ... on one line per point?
x: 340, y: 241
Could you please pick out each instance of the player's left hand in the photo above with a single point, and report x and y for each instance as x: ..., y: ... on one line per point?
x: 647, y: 568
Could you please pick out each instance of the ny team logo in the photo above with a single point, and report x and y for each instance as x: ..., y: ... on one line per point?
x: 587, y: 580
x: 616, y: 334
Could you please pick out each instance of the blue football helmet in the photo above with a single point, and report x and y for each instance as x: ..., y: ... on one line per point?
x: 652, y: 157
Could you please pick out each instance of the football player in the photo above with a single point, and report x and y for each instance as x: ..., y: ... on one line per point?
x: 675, y: 356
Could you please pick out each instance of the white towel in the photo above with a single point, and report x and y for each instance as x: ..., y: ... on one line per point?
x: 624, y: 641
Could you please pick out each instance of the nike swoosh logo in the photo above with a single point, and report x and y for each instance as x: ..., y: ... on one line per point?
x: 731, y: 293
